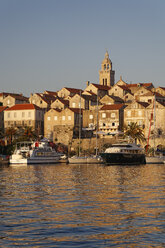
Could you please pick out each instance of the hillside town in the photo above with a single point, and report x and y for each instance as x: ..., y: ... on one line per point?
x: 104, y: 109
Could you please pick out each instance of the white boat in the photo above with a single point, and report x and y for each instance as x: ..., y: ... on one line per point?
x: 124, y: 153
x: 155, y: 159
x: 92, y: 159
x: 35, y: 153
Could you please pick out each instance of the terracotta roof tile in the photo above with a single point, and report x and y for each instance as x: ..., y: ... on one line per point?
x: 2, y: 108
x: 101, y: 87
x: 73, y: 90
x: 112, y: 107
x: 76, y: 110
x: 25, y: 106
x: 144, y: 104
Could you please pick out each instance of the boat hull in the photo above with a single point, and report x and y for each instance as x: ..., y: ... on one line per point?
x: 86, y: 160
x: 34, y: 160
x: 155, y: 160
x: 120, y: 158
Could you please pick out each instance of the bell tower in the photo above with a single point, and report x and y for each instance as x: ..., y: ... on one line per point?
x: 106, y: 74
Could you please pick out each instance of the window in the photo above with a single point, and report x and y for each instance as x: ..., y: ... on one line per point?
x: 8, y: 115
x: 107, y: 66
x: 113, y: 124
x: 15, y: 114
x: 73, y: 104
x: 63, y: 118
x: 55, y: 118
x: 8, y: 101
x: 29, y: 114
x: 30, y: 122
x: 140, y: 113
x: 128, y: 113
x: 40, y: 102
x: 113, y: 115
x: 90, y: 117
x: 69, y: 118
x: 103, y: 115
x: 23, y: 114
x: 48, y: 118
x: 104, y: 66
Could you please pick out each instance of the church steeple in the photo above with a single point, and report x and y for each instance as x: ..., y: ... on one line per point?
x: 106, y: 74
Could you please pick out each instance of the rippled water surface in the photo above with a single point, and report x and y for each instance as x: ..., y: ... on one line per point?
x: 82, y: 206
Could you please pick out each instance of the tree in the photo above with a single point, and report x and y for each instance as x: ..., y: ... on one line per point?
x: 134, y: 131
x: 10, y: 134
x: 29, y: 133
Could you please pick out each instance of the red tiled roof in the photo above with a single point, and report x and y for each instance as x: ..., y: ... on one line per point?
x: 25, y: 106
x: 65, y: 102
x: 73, y: 90
x: 141, y: 84
x: 2, y: 108
x: 54, y: 93
x: 112, y: 107
x: 90, y: 92
x: 150, y: 93
x: 76, y: 110
x: 163, y: 88
x: 101, y: 87
x: 144, y: 104
x: 124, y: 87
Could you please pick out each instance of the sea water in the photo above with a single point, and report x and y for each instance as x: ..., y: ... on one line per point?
x: 65, y: 205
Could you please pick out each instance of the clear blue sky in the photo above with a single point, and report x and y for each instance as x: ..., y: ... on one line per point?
x: 50, y: 44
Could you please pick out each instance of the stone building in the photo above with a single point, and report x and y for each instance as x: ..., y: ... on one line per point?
x: 61, y: 124
x: 22, y: 115
x: 64, y: 92
x: 136, y: 112
x: 119, y: 90
x: 107, y: 99
x: 42, y: 100
x: 135, y: 87
x: 97, y: 89
x: 106, y: 74
x: 111, y: 118
x: 60, y: 103
x: 155, y: 121
x: 161, y: 90
x: 12, y: 99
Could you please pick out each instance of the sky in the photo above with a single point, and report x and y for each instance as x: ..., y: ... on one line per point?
x: 51, y: 44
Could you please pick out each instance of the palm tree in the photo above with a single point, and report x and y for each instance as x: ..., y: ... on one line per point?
x: 10, y: 134
x: 29, y: 133
x: 134, y: 131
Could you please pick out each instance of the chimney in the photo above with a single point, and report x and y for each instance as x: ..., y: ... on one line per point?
x: 87, y: 83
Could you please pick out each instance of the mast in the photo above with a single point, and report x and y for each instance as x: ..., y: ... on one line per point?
x: 97, y: 124
x: 80, y: 124
x: 154, y: 119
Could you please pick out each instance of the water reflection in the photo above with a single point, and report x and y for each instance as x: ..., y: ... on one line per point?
x: 82, y: 206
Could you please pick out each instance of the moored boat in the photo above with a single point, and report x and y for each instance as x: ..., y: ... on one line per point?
x: 92, y: 159
x: 124, y: 153
x: 4, y: 159
x: 155, y: 159
x: 35, y: 153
